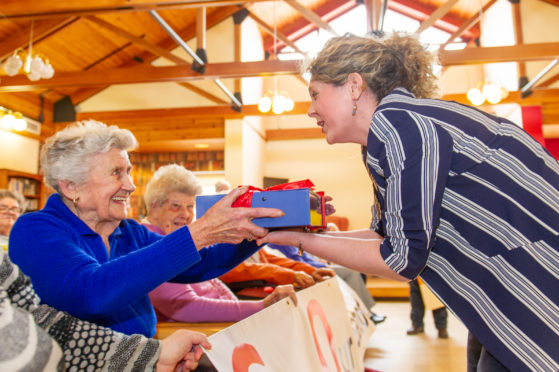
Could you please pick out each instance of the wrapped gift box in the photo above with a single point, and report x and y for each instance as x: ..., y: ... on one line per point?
x: 302, y: 207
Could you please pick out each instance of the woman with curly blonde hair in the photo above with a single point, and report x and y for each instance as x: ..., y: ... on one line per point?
x: 464, y: 200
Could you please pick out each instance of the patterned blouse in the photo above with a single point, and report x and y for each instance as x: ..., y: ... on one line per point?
x: 470, y: 202
x: 40, y: 338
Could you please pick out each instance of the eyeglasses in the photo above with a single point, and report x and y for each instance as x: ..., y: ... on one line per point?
x: 12, y: 210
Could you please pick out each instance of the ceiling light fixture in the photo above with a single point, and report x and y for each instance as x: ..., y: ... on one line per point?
x: 484, y: 91
x: 35, y: 68
x: 12, y: 120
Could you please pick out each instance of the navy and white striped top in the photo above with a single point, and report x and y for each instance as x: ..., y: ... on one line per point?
x: 470, y: 202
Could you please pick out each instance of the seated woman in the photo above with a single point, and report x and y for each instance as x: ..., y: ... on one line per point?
x: 170, y: 198
x: 11, y: 205
x: 86, y: 258
x: 269, y: 269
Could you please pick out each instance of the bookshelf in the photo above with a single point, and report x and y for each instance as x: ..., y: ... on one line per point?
x: 28, y: 184
x: 144, y: 164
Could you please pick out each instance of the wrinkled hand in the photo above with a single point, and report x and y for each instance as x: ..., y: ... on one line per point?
x: 181, y: 351
x: 322, y: 274
x: 225, y: 224
x: 302, y: 280
x: 279, y: 293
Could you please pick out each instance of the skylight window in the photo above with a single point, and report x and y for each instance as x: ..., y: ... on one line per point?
x: 355, y: 22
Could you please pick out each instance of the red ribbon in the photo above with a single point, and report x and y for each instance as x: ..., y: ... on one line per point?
x: 245, y: 200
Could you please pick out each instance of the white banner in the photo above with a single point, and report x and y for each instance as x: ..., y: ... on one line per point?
x: 327, y: 331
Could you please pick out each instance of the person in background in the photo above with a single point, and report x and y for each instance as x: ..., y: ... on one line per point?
x: 465, y: 200
x: 222, y: 187
x: 40, y: 338
x: 85, y: 257
x: 266, y: 269
x: 12, y: 204
x: 440, y: 315
x: 170, y: 200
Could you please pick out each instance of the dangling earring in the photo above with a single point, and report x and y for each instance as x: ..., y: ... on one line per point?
x: 354, y: 109
x: 75, y: 201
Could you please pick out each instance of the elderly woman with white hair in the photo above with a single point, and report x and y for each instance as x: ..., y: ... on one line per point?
x: 170, y: 200
x: 85, y: 257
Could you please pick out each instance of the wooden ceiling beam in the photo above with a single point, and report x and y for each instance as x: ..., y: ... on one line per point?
x: 37, y: 9
x: 203, y: 93
x: 311, y: 16
x: 439, y: 13
x: 542, y: 97
x: 270, y: 30
x: 518, y: 35
x: 41, y: 30
x: 185, y: 113
x: 147, y: 73
x: 155, y: 49
x: 525, y: 52
x: 465, y: 26
x: 187, y: 33
x: 150, y: 74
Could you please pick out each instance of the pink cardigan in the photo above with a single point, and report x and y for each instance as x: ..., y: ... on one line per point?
x: 209, y: 301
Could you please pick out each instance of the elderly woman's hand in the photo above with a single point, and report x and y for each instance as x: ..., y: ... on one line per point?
x: 225, y: 224
x: 279, y: 293
x: 322, y: 274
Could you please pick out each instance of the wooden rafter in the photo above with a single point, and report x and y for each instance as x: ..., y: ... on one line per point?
x: 39, y: 9
x: 188, y: 33
x: 311, y: 16
x: 518, y: 36
x: 269, y: 29
x: 150, y: 74
x: 525, y: 52
x: 146, y: 73
x: 155, y: 50
x: 436, y: 15
x: 467, y: 24
x: 41, y: 30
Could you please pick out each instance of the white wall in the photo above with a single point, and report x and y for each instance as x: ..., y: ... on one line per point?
x: 335, y: 169
x: 18, y: 152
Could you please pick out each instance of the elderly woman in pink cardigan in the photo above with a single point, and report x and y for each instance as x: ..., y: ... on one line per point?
x: 170, y: 196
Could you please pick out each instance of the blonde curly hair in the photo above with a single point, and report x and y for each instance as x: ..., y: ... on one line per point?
x: 385, y: 63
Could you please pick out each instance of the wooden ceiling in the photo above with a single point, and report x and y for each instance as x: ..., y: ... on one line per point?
x: 93, y: 44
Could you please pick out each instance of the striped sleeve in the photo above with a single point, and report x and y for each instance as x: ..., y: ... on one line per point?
x: 414, y: 159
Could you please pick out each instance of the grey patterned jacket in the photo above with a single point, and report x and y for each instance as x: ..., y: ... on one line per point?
x: 37, y: 337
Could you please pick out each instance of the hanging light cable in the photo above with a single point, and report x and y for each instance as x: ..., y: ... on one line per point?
x: 277, y: 102
x: 35, y: 68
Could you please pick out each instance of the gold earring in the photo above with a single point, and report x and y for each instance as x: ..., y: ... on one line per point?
x: 75, y: 201
x: 354, y: 109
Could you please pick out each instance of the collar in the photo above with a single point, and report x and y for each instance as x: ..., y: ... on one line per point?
x: 55, y: 206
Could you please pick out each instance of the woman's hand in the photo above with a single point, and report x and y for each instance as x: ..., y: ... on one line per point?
x: 279, y: 293
x: 181, y: 351
x: 225, y: 224
x: 322, y: 274
x: 302, y: 280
